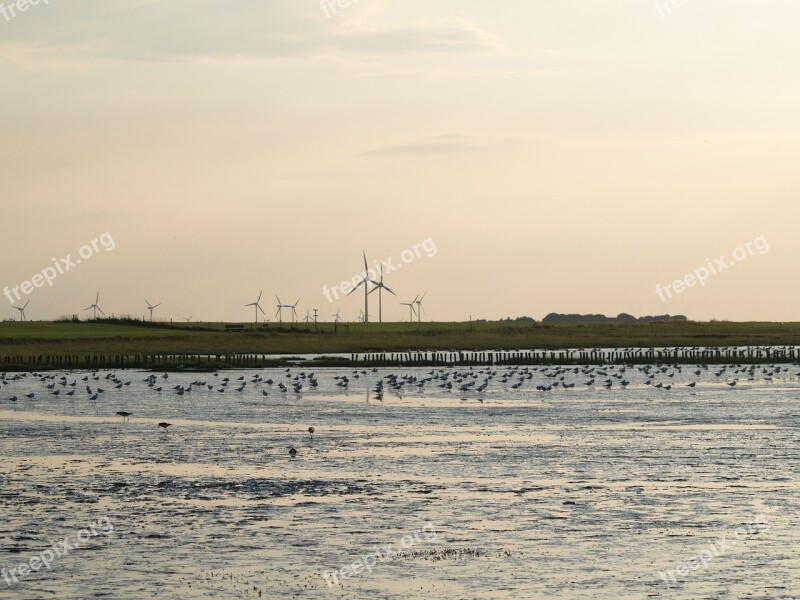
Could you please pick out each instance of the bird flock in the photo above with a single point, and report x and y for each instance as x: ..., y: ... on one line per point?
x: 467, y: 383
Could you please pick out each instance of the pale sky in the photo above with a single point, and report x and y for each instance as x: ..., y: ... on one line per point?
x: 562, y: 155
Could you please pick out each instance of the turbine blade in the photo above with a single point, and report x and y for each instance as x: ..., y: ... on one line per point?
x: 101, y: 311
x: 389, y: 290
x: 355, y: 288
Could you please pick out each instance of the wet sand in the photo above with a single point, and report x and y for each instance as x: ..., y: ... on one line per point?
x: 572, y: 493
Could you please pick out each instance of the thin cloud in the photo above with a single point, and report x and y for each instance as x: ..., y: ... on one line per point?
x: 442, y: 144
x: 163, y: 30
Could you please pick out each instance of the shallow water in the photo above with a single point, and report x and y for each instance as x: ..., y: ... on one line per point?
x: 572, y: 493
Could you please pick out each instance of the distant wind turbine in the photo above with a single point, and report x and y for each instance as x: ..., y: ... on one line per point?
x: 419, y: 307
x: 150, y: 307
x: 380, y: 287
x: 257, y: 306
x: 188, y: 319
x: 22, y: 310
x: 365, y: 281
x: 410, y: 306
x: 95, y: 307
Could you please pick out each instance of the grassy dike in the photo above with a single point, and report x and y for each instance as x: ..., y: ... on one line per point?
x: 108, y: 338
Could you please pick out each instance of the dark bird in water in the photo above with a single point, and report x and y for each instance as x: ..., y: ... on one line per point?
x: 125, y: 415
x: 29, y: 395
x: 292, y: 452
x: 732, y: 384
x: 164, y: 425
x: 311, y: 431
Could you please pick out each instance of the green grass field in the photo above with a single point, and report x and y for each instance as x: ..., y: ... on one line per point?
x: 110, y: 338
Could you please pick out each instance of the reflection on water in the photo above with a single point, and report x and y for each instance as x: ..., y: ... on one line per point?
x: 575, y: 492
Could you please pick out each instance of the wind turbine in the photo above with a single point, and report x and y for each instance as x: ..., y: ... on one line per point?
x: 365, y: 281
x: 410, y: 306
x: 337, y: 317
x: 279, y: 313
x: 22, y: 310
x: 188, y: 319
x: 360, y: 316
x: 380, y: 287
x: 308, y: 318
x: 419, y: 307
x: 257, y: 306
x: 150, y: 307
x: 95, y: 307
x: 294, y: 310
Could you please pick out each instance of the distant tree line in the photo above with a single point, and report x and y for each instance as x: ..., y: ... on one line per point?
x: 620, y: 318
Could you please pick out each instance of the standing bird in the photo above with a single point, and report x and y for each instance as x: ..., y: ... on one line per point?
x: 311, y: 431
x: 292, y: 452
x: 126, y: 416
x: 164, y: 425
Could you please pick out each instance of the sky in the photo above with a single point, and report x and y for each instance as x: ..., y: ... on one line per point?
x: 542, y: 156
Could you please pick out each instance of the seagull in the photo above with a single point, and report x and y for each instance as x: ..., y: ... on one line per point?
x: 125, y: 415
x: 164, y: 426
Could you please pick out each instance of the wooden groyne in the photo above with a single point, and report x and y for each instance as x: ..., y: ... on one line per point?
x: 575, y: 356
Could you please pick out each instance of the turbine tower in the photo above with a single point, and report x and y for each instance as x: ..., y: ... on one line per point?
x: 365, y: 281
x: 380, y: 287
x: 95, y: 307
x: 257, y: 306
x: 22, y: 310
x: 150, y: 307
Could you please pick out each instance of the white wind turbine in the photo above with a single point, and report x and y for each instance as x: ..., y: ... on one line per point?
x: 294, y: 310
x: 150, y: 307
x: 365, y: 281
x: 419, y: 307
x: 257, y: 306
x: 188, y: 319
x: 22, y: 310
x: 95, y: 307
x: 410, y: 306
x: 380, y: 287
